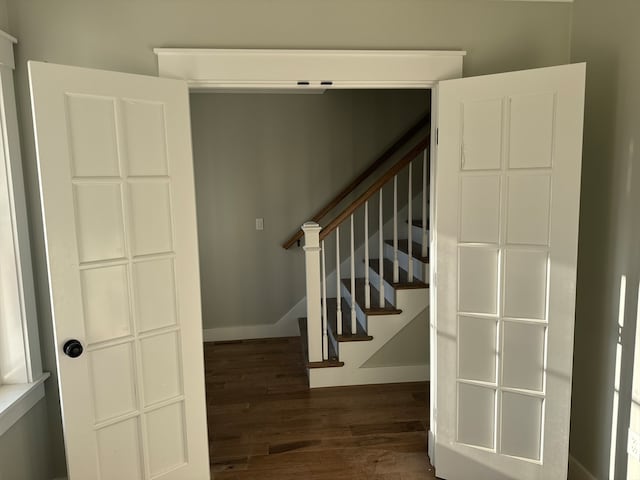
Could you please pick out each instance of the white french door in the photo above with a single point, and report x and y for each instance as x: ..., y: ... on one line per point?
x: 116, y: 174
x: 507, y: 188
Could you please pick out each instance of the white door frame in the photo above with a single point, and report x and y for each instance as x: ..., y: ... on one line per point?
x: 228, y: 70
x: 315, y: 71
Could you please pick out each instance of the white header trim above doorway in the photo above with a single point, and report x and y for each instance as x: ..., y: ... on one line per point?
x: 240, y: 69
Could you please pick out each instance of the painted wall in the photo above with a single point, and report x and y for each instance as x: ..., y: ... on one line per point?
x: 277, y: 157
x: 24, y: 448
x: 606, y: 35
x: 410, y: 346
x: 4, y: 16
x: 28, y: 438
x: 119, y: 35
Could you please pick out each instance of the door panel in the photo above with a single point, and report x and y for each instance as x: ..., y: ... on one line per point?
x: 507, y: 181
x: 116, y: 173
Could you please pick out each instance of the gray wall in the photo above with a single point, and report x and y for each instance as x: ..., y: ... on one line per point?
x: 119, y: 35
x: 24, y: 448
x: 410, y: 346
x: 28, y: 438
x: 606, y: 35
x: 277, y: 157
x: 4, y: 16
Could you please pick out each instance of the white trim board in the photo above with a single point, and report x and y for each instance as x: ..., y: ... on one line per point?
x: 16, y: 400
x: 577, y: 471
x: 287, y: 326
x: 250, y: 69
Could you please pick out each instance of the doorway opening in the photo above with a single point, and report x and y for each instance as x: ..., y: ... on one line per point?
x: 263, y: 163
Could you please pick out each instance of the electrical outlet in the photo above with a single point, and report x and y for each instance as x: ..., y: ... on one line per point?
x: 633, y: 445
x: 259, y: 223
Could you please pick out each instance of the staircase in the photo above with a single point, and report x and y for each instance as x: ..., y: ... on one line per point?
x: 367, y: 274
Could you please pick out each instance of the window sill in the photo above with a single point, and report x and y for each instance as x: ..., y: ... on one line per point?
x: 18, y: 399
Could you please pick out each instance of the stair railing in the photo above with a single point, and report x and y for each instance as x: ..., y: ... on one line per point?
x: 315, y: 236
x: 392, y: 150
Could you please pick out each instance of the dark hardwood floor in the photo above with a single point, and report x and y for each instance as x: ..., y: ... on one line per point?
x: 265, y: 424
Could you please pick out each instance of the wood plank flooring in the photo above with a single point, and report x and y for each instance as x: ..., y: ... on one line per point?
x: 265, y: 424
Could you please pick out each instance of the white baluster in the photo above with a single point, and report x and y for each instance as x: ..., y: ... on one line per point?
x: 410, y: 222
x: 367, y: 286
x: 396, y: 268
x: 338, y: 281
x: 314, y: 308
x: 381, y: 252
x: 325, y: 336
x: 425, y: 240
x: 353, y: 282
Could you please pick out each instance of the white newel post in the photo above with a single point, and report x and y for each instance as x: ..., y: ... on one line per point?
x: 314, y: 308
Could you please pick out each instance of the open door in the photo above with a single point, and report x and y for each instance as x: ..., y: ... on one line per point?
x: 507, y: 180
x: 116, y: 175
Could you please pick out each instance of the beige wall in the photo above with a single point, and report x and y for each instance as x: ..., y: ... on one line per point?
x: 277, y: 157
x: 410, y: 346
x: 119, y: 35
x: 4, y: 16
x: 24, y: 448
x: 606, y: 35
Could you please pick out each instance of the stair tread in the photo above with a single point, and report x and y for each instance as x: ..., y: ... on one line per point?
x: 418, y: 223
x: 416, y: 249
x: 333, y: 356
x: 403, y: 275
x: 388, y: 309
x: 360, y: 335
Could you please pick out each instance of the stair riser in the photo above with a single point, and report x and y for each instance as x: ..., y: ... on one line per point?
x: 416, y: 235
x: 420, y: 270
x: 360, y: 315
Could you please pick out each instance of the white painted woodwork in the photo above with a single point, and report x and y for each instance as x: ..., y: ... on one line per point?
x: 356, y: 371
x: 338, y: 284
x: 367, y: 283
x: 116, y: 175
x: 424, y: 239
x: 410, y: 221
x: 20, y: 361
x: 383, y: 328
x: 314, y: 303
x: 264, y: 70
x: 381, y: 250
x: 17, y: 399
x: 325, y: 339
x: 507, y: 187
x: 352, y: 264
x: 432, y: 276
x: 396, y: 270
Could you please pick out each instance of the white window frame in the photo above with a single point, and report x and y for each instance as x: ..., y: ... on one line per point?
x: 21, y: 376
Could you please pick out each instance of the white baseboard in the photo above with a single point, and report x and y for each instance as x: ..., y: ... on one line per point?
x: 345, y: 376
x: 287, y: 326
x: 577, y: 471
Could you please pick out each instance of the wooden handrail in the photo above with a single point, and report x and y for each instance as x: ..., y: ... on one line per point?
x: 397, y: 145
x: 389, y: 174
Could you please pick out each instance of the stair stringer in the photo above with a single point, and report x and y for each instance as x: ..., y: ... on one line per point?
x: 383, y: 328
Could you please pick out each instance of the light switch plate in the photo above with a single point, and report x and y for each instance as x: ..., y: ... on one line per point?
x: 259, y: 223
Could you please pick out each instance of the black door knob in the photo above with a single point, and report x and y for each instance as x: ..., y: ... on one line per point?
x: 73, y: 348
